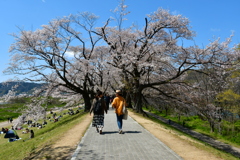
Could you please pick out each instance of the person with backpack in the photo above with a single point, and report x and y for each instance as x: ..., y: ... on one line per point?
x: 98, y: 107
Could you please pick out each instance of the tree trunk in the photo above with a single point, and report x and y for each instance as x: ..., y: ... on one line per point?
x: 138, y: 104
x: 87, y: 102
x: 212, y: 126
x: 220, y: 126
x: 179, y: 117
x: 166, y: 111
x: 129, y: 100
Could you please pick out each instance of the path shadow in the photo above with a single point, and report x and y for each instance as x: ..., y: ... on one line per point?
x: 109, y: 132
x: 87, y: 154
x: 116, y: 132
x: 47, y: 152
x: 132, y: 132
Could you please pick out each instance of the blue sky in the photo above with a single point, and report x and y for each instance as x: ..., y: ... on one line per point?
x: 208, y: 18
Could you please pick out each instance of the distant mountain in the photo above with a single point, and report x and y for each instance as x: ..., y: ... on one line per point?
x: 23, y: 87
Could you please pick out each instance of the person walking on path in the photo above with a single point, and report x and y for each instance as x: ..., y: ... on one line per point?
x: 11, y: 119
x: 107, y: 100
x: 118, y: 103
x: 98, y: 107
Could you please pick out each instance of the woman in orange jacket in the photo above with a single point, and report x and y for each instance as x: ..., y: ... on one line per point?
x: 118, y: 103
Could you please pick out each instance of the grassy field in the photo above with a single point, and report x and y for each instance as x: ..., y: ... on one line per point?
x: 15, y: 108
x: 20, y: 149
x: 198, y: 125
x: 10, y: 110
x: 193, y: 141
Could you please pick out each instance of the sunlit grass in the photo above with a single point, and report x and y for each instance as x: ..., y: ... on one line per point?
x: 198, y: 144
x: 227, y: 135
x: 18, y: 150
x: 15, y: 108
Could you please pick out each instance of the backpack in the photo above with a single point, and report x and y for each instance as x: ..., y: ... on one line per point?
x: 97, y: 107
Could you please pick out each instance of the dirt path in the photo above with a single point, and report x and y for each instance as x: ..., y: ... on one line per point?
x: 180, y: 144
x: 67, y: 144
x: 183, y: 146
x: 5, y: 124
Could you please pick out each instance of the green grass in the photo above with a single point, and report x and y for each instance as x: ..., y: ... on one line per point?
x: 10, y: 110
x: 18, y: 150
x: 200, y: 144
x: 198, y: 125
x: 15, y: 108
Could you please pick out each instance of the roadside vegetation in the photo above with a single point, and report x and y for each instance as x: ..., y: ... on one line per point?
x: 189, y: 139
x: 230, y: 132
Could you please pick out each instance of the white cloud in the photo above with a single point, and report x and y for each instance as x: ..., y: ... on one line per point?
x: 215, y: 29
x: 70, y: 54
x: 175, y: 12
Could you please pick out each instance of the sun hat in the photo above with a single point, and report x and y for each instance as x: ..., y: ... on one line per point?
x: 118, y: 91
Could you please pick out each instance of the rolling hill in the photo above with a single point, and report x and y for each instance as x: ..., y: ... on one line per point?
x: 23, y: 87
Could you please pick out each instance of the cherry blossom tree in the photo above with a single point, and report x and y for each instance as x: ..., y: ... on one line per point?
x: 10, y: 95
x: 150, y: 61
x: 43, y: 55
x: 203, y: 96
x: 34, y: 111
x: 152, y: 57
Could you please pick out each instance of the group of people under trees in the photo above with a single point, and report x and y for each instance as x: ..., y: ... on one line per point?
x: 33, y: 124
x: 4, y: 130
x: 101, y: 105
x: 12, y: 135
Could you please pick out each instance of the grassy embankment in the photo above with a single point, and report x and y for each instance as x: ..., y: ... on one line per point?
x: 15, y: 107
x: 198, y: 125
x: 18, y: 150
x: 230, y: 133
